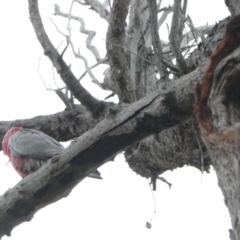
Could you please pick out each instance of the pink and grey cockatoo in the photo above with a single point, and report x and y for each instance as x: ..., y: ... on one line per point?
x: 29, y: 149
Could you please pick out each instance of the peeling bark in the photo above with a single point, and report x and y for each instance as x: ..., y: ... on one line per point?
x: 218, y: 114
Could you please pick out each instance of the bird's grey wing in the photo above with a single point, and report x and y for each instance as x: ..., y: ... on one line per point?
x: 31, y: 143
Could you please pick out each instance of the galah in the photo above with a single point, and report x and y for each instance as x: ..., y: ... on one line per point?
x: 29, y: 149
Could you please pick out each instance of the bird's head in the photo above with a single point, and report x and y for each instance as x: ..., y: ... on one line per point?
x: 6, y: 138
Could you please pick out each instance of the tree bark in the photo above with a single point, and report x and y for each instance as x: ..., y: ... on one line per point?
x: 122, y: 128
x: 218, y: 113
x: 154, y: 121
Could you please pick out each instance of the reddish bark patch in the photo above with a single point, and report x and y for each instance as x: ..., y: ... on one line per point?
x: 229, y: 43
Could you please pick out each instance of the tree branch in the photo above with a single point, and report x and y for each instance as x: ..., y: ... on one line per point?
x: 91, y: 103
x: 69, y: 105
x: 62, y: 126
x: 152, y: 8
x: 128, y: 125
x: 174, y: 37
x: 166, y: 12
x: 99, y: 8
x: 116, y: 54
x: 90, y: 34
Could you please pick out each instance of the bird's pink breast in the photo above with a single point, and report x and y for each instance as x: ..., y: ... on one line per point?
x: 18, y: 164
x: 6, y: 139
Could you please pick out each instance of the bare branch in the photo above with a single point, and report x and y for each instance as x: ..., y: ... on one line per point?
x: 107, y: 3
x: 116, y: 55
x: 174, y: 37
x: 181, y: 24
x: 104, y: 61
x: 152, y: 8
x: 98, y: 7
x: 91, y: 103
x: 166, y: 12
x: 62, y: 126
x: 78, y: 55
x: 189, y: 35
x: 91, y: 34
x: 134, y: 35
x: 65, y: 99
x: 195, y: 32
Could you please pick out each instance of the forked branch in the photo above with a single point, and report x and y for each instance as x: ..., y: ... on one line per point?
x: 80, y: 93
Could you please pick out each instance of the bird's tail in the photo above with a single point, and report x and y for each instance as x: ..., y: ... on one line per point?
x: 95, y: 174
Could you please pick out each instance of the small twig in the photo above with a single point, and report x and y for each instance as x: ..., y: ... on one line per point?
x: 125, y: 48
x: 135, y: 151
x: 165, y: 62
x: 64, y: 50
x: 100, y: 8
x: 193, y: 29
x: 54, y: 79
x: 77, y: 54
x: 181, y: 24
x: 166, y: 12
x: 95, y: 65
x: 39, y: 73
x: 64, y: 98
x: 57, y: 28
x: 166, y: 51
x: 109, y: 96
x: 164, y: 180
x: 164, y: 9
x: 91, y: 34
x: 63, y: 35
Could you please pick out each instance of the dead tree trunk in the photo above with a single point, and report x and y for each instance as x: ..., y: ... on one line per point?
x: 218, y: 113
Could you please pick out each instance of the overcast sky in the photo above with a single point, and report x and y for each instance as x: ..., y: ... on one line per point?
x: 118, y: 206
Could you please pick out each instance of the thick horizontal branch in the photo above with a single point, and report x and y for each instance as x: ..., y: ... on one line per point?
x: 62, y: 126
x: 91, y: 103
x: 123, y: 127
